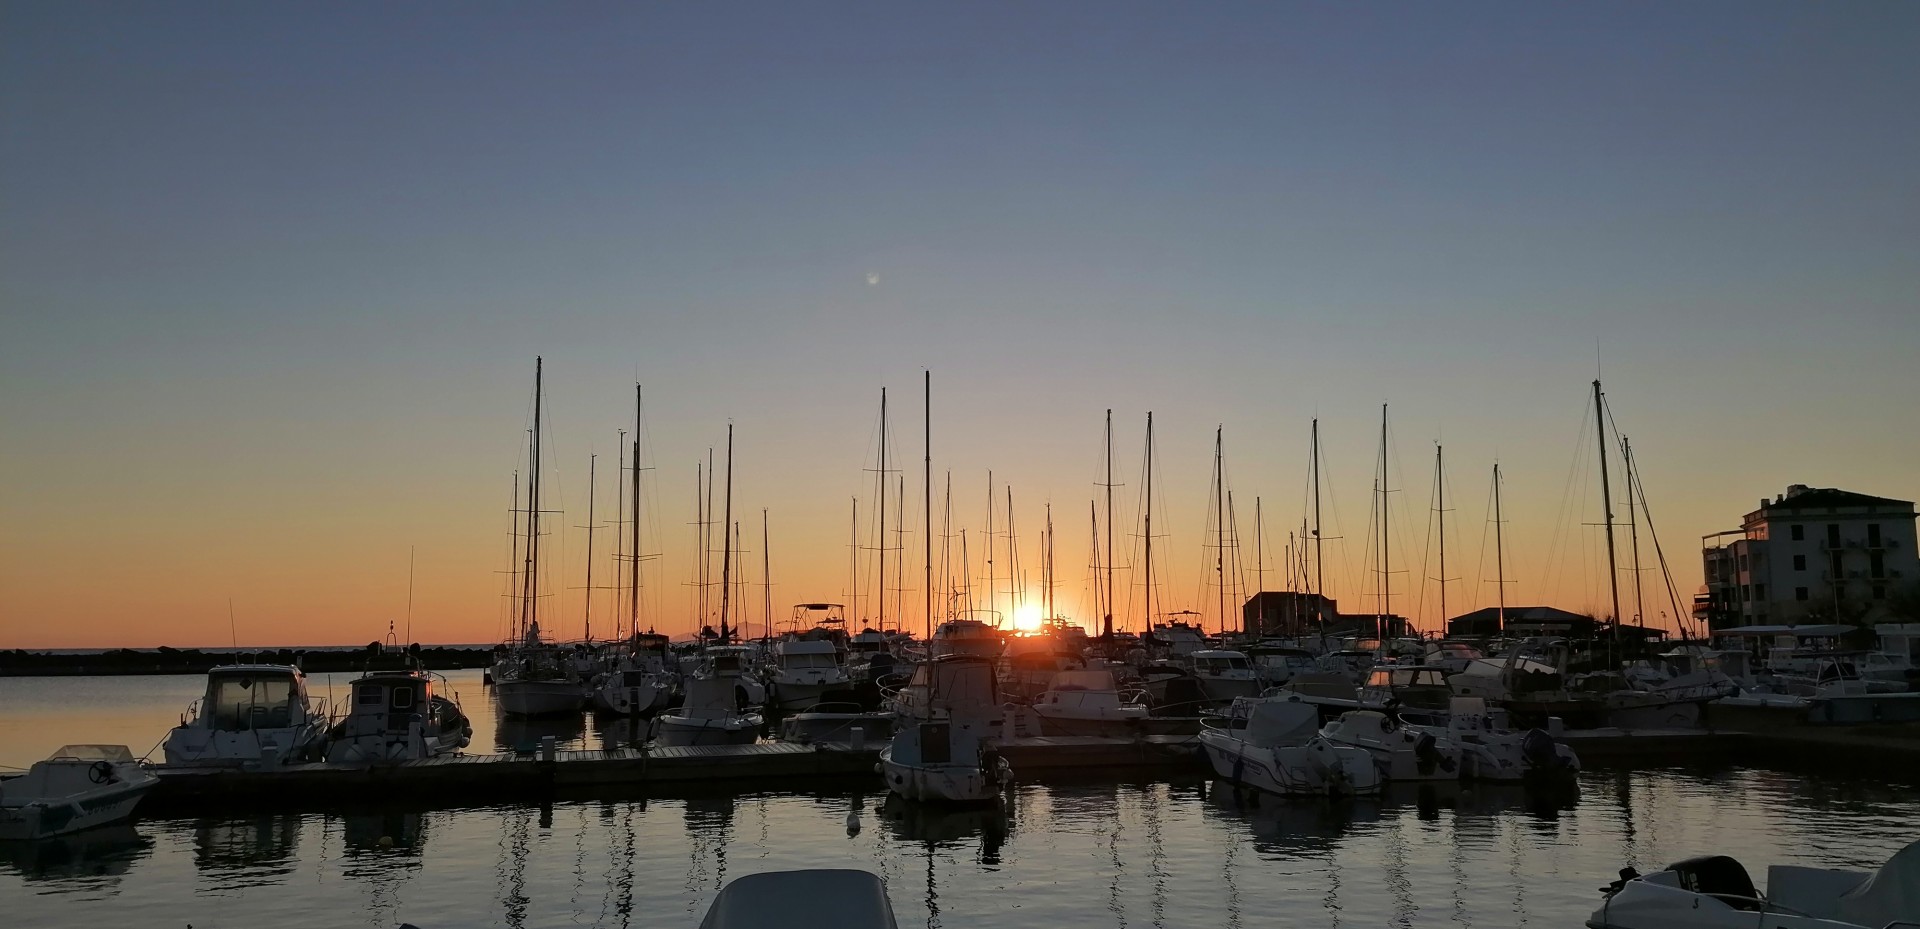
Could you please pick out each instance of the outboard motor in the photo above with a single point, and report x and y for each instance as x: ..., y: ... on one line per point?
x: 1426, y: 752
x: 1538, y: 749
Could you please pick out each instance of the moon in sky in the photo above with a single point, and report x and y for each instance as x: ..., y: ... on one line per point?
x: 873, y: 278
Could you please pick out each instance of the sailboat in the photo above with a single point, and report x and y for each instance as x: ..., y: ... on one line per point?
x: 532, y: 677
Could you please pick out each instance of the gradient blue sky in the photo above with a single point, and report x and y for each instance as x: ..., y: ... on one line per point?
x: 273, y: 276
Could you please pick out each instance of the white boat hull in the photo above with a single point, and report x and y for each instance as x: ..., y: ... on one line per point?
x: 795, y: 696
x: 57, y: 797
x: 538, y: 698
x: 193, y: 746
x: 1318, y: 768
x: 629, y: 701
x: 944, y: 783
x: 684, y: 730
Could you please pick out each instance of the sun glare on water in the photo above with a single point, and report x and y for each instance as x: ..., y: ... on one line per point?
x: 1027, y: 617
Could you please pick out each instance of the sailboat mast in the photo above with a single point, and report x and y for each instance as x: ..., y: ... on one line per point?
x: 766, y: 575
x: 513, y: 558
x: 853, y: 545
x: 1106, y: 622
x: 1386, y: 576
x: 992, y: 601
x: 1220, y: 526
x: 619, y: 511
x: 1048, y: 570
x: 633, y: 550
x: 1440, y: 498
x: 1148, y: 599
x: 1259, y: 550
x: 1016, y: 591
x: 587, y: 623
x: 530, y: 581
x: 1633, y: 530
x: 1606, y: 501
x: 726, y: 557
x: 927, y: 484
x: 1499, y: 550
x: 1319, y: 563
x: 880, y: 577
x: 706, y: 542
x: 700, y: 541
x: 946, y: 547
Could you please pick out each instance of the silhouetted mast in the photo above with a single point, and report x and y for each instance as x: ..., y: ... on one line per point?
x: 1148, y: 628
x: 880, y: 577
x: 726, y: 557
x: 1606, y: 503
x: 927, y: 483
x: 1319, y: 561
x: 1633, y: 531
x: 1220, y: 525
x: 1499, y: 550
x: 587, y: 624
x: 633, y: 580
x: 530, y: 579
x: 1106, y: 629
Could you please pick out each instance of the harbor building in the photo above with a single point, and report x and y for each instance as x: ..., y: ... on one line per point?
x: 1811, y: 554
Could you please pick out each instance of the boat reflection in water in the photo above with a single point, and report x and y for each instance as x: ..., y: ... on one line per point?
x: 96, y: 858
x: 611, y: 731
x: 523, y: 733
x: 384, y: 850
x: 246, y: 852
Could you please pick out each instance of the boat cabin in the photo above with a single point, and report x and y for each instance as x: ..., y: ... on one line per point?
x: 245, y: 697
x: 390, y: 700
x: 957, y: 685
x: 806, y: 654
x: 1215, y: 662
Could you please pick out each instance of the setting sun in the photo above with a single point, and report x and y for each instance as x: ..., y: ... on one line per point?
x: 1027, y: 617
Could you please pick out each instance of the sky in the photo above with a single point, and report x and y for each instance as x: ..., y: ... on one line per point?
x: 273, y: 279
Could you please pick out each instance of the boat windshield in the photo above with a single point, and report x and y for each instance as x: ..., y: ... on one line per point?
x: 801, y: 662
x: 1225, y: 664
x: 247, y: 702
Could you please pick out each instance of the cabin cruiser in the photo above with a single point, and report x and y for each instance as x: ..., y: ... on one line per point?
x: 639, y: 682
x: 1275, y: 665
x: 1176, y: 640
x: 1332, y: 693
x: 942, y: 751
x: 1224, y: 675
x: 252, y: 715
x: 1417, y: 693
x: 1715, y: 891
x: 804, y: 670
x: 1273, y: 744
x: 397, y: 716
x: 1033, y: 659
x: 965, y: 636
x: 1835, y: 675
x: 537, y: 679
x: 1088, y: 703
x: 78, y: 787
x: 836, y: 722
x: 1489, y: 751
x: 1451, y: 657
x: 1404, y: 753
x: 717, y: 709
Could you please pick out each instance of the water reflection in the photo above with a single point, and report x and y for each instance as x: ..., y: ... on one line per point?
x: 235, y: 853
x: 521, y: 734
x: 94, y: 859
x: 384, y: 849
x: 610, y: 731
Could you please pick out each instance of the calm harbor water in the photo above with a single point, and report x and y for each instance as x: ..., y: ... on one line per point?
x: 1183, y: 854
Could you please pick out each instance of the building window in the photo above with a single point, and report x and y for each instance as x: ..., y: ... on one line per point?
x: 1759, y: 591
x: 1799, y: 532
x: 1879, y: 592
x: 1833, y: 535
x: 1876, y: 564
x: 1743, y: 562
x: 1873, y: 535
x: 1833, y: 565
x: 1799, y: 593
x: 1799, y: 562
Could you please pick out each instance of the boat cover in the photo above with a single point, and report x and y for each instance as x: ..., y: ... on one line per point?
x: 1892, y: 894
x: 821, y: 898
x: 1273, y: 723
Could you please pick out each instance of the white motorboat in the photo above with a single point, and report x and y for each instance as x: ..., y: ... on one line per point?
x: 803, y: 671
x: 1715, y: 892
x: 397, y: 716
x: 1489, y: 751
x: 1088, y: 703
x: 1403, y: 753
x: 1273, y: 744
x: 1224, y: 675
x: 1274, y: 664
x: 78, y: 787
x: 716, y: 710
x: 818, y: 898
x: 943, y: 750
x: 252, y: 715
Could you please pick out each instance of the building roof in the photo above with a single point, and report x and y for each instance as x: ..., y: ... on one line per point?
x: 1521, y: 614
x: 1821, y: 498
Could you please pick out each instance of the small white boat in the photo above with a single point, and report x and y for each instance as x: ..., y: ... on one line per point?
x: 397, y: 716
x: 943, y: 751
x: 1489, y: 751
x: 1273, y: 744
x: 1715, y: 892
x: 803, y: 671
x: 1088, y: 703
x: 1224, y: 675
x: 715, y: 711
x: 1403, y: 753
x: 251, y: 715
x: 818, y: 898
x: 78, y: 787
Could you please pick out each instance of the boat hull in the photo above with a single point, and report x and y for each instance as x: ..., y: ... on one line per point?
x: 193, y: 746
x: 1316, y: 769
x: 538, y: 698
x: 682, y: 730
x: 629, y: 701
x: 943, y: 783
